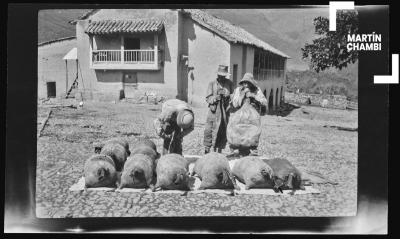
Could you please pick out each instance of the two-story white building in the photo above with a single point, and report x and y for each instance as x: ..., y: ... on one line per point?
x: 174, y: 53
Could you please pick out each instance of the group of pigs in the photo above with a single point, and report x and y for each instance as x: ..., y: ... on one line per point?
x: 115, y: 165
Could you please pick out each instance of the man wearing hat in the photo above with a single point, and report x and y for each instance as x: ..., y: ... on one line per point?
x: 217, y: 97
x: 248, y: 90
x: 175, y: 122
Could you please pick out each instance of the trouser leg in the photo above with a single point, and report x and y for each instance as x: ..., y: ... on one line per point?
x: 177, y: 147
x: 176, y: 144
x: 166, y: 144
x: 208, y: 133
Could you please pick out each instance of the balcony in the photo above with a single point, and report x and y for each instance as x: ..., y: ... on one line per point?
x: 130, y: 60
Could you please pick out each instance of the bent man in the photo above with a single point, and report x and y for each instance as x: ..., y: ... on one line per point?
x: 175, y: 122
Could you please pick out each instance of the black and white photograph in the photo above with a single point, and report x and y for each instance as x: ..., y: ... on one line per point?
x: 198, y: 112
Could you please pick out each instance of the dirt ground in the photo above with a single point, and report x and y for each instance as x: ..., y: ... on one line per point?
x: 67, y: 141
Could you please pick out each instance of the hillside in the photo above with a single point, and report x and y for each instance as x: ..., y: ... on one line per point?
x: 53, y: 24
x: 330, y: 82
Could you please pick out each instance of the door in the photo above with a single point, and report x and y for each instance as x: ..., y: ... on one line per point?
x: 130, y: 84
x: 271, y: 102
x: 132, y: 44
x: 234, y: 74
x: 183, y: 82
x: 51, y: 89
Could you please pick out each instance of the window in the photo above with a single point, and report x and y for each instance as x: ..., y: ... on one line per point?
x: 51, y: 89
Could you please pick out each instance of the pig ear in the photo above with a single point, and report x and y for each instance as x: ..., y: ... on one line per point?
x: 97, y: 149
x: 178, y: 178
x: 101, y: 173
x: 267, y: 172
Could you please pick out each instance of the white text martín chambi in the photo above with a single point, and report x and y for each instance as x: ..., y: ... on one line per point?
x: 364, y: 42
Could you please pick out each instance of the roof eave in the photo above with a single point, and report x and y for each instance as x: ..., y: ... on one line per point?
x: 84, y: 16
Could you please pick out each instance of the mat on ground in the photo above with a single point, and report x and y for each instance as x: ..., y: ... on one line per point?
x: 309, y: 178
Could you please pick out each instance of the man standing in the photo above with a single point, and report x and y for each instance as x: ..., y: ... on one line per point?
x: 175, y: 122
x: 218, y: 96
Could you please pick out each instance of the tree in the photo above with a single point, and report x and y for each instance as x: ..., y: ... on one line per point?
x: 329, y: 50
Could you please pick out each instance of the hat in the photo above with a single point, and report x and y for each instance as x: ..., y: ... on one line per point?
x: 185, y: 119
x: 248, y: 77
x: 223, y: 70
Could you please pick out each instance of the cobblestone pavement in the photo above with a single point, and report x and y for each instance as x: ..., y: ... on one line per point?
x: 67, y: 139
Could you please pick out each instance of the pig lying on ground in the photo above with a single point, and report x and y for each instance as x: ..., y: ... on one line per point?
x: 147, y: 142
x: 214, y: 171
x: 253, y: 172
x: 123, y: 142
x: 147, y: 147
x: 286, y: 175
x: 138, y: 172
x: 172, y: 173
x: 117, y: 152
x: 100, y: 171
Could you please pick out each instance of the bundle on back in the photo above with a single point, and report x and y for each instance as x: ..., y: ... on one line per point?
x: 244, y: 127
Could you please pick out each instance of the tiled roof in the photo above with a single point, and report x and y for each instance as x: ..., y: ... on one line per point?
x: 124, y: 26
x: 229, y: 31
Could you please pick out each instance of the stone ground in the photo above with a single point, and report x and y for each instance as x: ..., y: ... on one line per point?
x: 66, y: 142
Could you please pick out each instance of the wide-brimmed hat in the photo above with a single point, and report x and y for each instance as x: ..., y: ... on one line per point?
x: 185, y: 119
x: 248, y: 77
x: 223, y: 70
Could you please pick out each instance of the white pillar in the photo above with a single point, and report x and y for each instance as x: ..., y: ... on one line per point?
x: 91, y: 50
x: 156, y: 50
x: 122, y: 49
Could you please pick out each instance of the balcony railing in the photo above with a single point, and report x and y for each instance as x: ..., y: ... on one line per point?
x: 131, y: 59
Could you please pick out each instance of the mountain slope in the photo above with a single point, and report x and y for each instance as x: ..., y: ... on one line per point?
x: 53, y: 24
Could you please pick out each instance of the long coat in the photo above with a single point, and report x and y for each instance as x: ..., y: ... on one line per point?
x: 217, y: 109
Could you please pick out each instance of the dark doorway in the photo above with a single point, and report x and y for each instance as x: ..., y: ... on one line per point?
x: 51, y: 89
x: 130, y: 84
x: 235, y: 70
x: 277, y: 97
x: 244, y: 59
x: 132, y: 43
x: 271, y: 101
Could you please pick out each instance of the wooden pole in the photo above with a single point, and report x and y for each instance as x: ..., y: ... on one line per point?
x: 66, y: 78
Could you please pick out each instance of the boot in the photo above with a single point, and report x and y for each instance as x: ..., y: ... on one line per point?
x: 206, y: 150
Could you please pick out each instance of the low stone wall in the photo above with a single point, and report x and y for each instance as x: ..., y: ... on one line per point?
x: 327, y: 101
x: 139, y: 97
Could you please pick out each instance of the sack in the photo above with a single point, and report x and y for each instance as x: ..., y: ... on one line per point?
x: 244, y: 127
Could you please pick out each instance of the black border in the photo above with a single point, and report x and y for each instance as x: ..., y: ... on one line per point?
x: 20, y: 165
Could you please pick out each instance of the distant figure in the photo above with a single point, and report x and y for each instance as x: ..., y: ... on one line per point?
x: 324, y: 103
x: 309, y: 100
x: 218, y: 96
x: 175, y: 122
